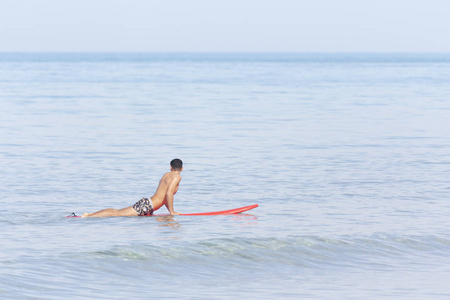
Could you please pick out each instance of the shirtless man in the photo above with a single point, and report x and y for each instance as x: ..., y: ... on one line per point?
x: 168, y: 186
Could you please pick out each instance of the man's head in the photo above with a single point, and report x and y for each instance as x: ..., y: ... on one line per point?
x: 176, y: 164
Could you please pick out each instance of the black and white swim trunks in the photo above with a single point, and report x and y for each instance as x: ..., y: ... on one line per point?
x: 144, y: 207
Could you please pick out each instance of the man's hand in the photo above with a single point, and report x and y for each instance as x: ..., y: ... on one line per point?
x: 175, y: 213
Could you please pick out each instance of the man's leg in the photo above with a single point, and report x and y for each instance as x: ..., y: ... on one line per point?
x: 111, y: 212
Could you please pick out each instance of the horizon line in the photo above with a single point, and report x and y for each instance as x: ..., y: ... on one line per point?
x: 218, y: 52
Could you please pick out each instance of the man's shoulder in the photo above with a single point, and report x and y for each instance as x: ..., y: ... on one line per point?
x: 176, y: 178
x: 172, y: 176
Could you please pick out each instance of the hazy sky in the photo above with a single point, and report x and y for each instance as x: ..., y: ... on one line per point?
x: 225, y: 25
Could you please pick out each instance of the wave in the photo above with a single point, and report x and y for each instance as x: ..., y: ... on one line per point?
x: 305, y: 251
x: 262, y: 267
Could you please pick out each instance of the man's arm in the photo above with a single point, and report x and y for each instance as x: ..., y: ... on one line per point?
x: 171, y: 190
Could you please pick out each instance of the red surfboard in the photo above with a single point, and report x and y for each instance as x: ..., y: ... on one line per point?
x: 223, y: 212
x: 213, y: 213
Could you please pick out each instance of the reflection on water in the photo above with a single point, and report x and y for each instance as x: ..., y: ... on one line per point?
x: 244, y: 220
x: 168, y: 221
x: 244, y: 217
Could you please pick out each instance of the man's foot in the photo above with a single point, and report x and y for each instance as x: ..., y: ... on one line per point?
x: 85, y: 215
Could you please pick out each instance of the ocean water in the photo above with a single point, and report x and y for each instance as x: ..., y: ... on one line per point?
x: 347, y: 155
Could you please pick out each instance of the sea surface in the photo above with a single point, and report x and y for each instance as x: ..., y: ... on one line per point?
x: 347, y: 155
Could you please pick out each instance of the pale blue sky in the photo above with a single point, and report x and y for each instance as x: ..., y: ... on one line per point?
x: 225, y: 25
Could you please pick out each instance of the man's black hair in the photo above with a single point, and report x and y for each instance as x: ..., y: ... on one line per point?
x: 176, y: 164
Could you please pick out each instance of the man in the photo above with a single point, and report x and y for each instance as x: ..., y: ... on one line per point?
x: 168, y: 186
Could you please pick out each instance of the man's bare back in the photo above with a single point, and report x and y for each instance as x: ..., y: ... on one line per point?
x: 167, y: 188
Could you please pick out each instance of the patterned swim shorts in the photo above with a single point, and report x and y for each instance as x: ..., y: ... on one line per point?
x: 144, y: 207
